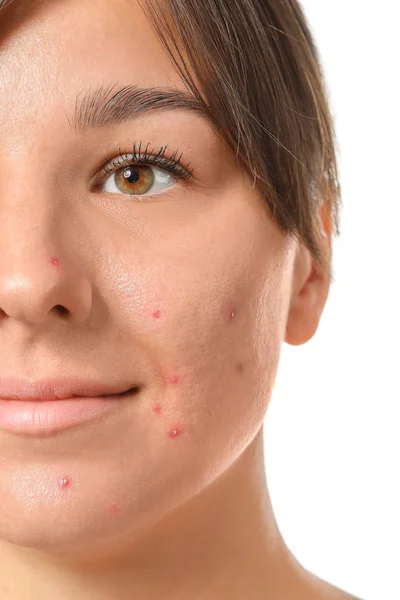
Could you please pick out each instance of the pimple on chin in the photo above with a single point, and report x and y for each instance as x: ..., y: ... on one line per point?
x: 173, y: 379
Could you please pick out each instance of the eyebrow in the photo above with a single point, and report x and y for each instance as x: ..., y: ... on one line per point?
x: 108, y: 105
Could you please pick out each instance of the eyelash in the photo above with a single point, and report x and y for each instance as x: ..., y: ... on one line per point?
x: 172, y: 165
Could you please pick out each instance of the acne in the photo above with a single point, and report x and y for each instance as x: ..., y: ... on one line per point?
x: 54, y: 261
x: 157, y: 409
x: 157, y: 314
x: 64, y: 482
x: 174, y: 379
x: 231, y: 314
x: 113, y: 509
x: 175, y: 432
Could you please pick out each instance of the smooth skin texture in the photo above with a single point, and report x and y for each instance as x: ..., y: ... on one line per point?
x: 189, y: 293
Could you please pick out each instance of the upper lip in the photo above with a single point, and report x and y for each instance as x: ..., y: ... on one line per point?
x: 12, y: 388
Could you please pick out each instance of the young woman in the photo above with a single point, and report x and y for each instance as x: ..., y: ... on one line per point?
x: 168, y: 197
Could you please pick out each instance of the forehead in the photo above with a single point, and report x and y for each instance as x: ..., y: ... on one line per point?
x: 54, y: 47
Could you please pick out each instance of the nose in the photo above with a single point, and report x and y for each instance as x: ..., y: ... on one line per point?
x: 39, y: 278
x: 32, y: 289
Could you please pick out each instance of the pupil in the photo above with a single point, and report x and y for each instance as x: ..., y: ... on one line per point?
x: 131, y: 176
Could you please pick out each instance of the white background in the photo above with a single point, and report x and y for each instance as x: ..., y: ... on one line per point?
x: 332, y: 440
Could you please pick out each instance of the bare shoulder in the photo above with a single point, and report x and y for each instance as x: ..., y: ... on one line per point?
x: 334, y: 593
x: 327, y: 591
x: 308, y: 585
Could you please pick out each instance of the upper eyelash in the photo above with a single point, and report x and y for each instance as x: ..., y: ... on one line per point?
x: 172, y: 164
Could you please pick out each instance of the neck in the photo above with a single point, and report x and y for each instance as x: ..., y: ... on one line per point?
x: 223, y: 543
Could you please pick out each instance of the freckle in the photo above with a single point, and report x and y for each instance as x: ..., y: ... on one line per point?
x: 113, y: 509
x: 157, y: 314
x: 173, y: 379
x: 239, y: 368
x: 174, y: 432
x: 157, y: 409
x: 54, y: 261
x: 64, y: 482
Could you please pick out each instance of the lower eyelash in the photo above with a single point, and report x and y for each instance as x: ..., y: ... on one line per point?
x: 172, y: 165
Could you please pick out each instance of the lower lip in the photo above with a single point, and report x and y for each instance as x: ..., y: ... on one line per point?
x: 47, y: 417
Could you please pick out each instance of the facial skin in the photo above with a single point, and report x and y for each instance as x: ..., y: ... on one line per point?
x: 189, y: 294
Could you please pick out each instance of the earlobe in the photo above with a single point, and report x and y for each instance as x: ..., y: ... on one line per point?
x: 309, y: 294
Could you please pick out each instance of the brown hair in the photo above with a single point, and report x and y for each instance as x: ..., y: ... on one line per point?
x: 254, y: 67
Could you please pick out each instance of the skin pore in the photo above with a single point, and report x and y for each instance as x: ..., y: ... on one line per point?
x: 188, y: 293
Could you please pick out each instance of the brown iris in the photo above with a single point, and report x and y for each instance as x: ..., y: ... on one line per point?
x: 134, y: 179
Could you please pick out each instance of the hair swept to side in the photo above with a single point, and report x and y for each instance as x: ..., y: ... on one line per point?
x: 254, y: 66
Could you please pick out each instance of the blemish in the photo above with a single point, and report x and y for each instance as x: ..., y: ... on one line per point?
x: 157, y: 409
x: 157, y: 314
x: 54, y: 261
x: 232, y: 314
x: 113, y: 509
x: 173, y: 379
x: 175, y: 432
x: 64, y: 482
x: 239, y: 368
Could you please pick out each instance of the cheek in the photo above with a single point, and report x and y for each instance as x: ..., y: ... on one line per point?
x: 206, y: 311
x: 214, y: 333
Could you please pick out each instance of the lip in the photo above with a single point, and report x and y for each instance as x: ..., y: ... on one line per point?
x: 48, y: 417
x: 56, y: 388
x: 52, y: 405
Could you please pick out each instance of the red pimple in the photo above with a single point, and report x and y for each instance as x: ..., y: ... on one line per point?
x: 173, y: 379
x: 113, y: 509
x: 54, y: 261
x: 157, y: 409
x: 64, y: 482
x: 157, y: 314
x: 175, y: 431
x: 232, y: 314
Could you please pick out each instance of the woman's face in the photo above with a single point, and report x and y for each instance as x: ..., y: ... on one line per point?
x: 183, y: 290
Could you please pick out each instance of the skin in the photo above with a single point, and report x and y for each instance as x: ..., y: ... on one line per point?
x: 190, y: 294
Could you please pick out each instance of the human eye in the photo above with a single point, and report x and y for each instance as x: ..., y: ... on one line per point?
x: 140, y: 173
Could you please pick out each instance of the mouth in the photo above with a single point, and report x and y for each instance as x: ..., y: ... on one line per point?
x: 40, y: 416
x: 129, y: 392
x: 57, y: 388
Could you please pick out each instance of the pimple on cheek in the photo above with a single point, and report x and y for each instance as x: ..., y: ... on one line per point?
x: 113, y: 509
x: 173, y: 379
x: 54, y: 261
x: 175, y: 432
x: 157, y: 314
x: 232, y: 313
x: 157, y: 409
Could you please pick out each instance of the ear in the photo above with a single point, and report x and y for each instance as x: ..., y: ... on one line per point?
x: 310, y: 290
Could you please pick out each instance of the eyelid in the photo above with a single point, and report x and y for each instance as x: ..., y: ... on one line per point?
x: 170, y: 164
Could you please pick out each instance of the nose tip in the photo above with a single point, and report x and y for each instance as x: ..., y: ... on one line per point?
x: 31, y: 294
